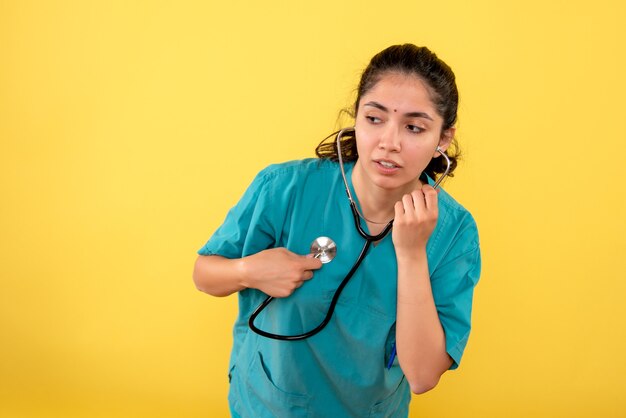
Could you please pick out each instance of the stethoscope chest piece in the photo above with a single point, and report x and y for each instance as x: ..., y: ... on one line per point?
x: 324, y: 248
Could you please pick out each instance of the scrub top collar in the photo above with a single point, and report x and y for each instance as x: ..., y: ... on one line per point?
x: 349, y: 166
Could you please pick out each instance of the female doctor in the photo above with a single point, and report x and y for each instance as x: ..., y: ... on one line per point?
x: 411, y: 295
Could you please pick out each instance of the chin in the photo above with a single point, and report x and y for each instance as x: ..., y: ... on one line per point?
x: 393, y: 184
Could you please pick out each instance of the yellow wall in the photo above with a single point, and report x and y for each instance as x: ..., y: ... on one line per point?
x: 127, y: 129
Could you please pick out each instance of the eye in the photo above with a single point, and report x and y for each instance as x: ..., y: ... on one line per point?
x: 415, y: 129
x: 373, y: 119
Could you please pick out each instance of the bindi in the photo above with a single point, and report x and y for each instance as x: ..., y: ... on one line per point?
x: 395, y: 110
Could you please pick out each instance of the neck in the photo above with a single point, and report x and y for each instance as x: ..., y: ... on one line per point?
x: 377, y: 203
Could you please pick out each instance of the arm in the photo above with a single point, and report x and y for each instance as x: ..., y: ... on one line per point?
x: 237, y: 255
x: 218, y: 276
x: 276, y: 271
x: 420, y: 339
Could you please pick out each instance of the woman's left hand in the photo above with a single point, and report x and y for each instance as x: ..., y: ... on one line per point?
x: 415, y: 219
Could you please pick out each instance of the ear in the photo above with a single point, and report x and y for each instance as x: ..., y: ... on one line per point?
x: 446, y: 139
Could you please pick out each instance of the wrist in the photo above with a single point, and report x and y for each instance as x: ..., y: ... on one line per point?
x: 411, y: 255
x: 243, y: 275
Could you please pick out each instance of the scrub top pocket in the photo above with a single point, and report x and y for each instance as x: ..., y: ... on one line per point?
x: 266, y: 399
x: 395, y: 405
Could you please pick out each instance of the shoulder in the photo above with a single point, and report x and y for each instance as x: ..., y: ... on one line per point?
x: 456, y: 232
x: 450, y: 207
x: 296, y: 171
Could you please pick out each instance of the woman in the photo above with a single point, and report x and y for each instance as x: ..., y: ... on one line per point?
x: 411, y: 295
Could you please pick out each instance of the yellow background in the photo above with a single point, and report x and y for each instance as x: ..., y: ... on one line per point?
x: 127, y: 130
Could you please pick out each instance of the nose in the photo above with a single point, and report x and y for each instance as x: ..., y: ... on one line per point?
x: 390, y: 139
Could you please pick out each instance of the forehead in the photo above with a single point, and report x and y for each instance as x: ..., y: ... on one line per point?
x: 404, y: 92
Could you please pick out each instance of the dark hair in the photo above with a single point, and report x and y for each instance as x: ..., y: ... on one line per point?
x: 412, y: 60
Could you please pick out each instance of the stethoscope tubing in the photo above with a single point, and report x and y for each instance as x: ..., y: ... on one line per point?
x: 369, y: 239
x: 329, y: 313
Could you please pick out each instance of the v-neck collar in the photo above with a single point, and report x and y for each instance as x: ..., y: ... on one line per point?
x: 424, y: 178
x: 349, y: 169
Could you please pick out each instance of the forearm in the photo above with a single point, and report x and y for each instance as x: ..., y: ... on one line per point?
x: 420, y: 339
x: 276, y: 271
x: 218, y: 276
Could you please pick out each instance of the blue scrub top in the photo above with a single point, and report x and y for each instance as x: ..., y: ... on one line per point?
x: 339, y: 372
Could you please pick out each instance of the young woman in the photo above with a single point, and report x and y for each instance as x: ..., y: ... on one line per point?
x: 412, y: 293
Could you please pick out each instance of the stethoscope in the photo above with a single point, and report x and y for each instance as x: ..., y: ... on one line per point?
x: 325, y: 249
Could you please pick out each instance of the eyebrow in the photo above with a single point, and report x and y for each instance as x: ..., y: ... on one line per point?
x: 410, y: 114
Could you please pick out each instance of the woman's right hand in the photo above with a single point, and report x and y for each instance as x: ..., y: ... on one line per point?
x: 278, y: 272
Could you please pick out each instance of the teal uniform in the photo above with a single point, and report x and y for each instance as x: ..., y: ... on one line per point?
x: 341, y: 371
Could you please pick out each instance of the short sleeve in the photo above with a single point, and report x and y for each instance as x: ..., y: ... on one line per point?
x: 453, y: 284
x: 248, y: 226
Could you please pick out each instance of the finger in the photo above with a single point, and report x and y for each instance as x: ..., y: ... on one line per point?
x: 409, y: 205
x: 418, y: 201
x: 398, y: 209
x: 307, y: 275
x: 430, y: 197
x: 311, y: 262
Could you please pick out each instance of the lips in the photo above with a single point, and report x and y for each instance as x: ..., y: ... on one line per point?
x: 389, y: 164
